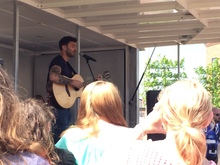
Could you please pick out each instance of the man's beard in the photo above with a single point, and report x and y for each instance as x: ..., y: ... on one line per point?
x: 69, y: 53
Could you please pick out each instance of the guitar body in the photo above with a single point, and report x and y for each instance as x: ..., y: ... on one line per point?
x: 66, y: 95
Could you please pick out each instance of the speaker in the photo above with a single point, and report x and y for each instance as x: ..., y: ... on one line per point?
x: 151, y: 101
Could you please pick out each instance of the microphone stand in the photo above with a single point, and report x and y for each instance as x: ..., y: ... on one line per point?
x: 87, y: 61
x: 130, y: 102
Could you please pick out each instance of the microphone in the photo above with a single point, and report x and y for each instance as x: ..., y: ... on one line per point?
x: 87, y: 57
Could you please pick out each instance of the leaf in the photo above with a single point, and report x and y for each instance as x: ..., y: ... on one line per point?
x: 161, y: 73
x: 210, y: 77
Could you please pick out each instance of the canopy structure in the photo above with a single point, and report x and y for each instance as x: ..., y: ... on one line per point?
x: 112, y: 23
x: 34, y: 27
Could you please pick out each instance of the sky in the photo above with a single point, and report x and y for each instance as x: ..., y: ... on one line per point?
x: 194, y: 54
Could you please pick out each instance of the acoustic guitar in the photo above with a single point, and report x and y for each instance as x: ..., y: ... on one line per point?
x: 66, y: 95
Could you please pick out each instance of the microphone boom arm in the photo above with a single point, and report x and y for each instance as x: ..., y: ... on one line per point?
x: 87, y: 61
x: 141, y: 78
x: 87, y: 58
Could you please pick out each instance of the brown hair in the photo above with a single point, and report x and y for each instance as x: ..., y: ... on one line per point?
x: 24, y: 125
x: 100, y: 100
x: 9, y: 103
x: 10, y: 143
x: 35, y: 125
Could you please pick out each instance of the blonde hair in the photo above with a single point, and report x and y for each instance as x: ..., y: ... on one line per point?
x: 185, y: 109
x: 100, y: 100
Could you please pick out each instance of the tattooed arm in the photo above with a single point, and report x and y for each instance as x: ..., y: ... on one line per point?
x: 56, y: 77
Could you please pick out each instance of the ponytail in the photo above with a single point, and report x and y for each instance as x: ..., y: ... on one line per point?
x: 191, y: 144
x: 186, y: 109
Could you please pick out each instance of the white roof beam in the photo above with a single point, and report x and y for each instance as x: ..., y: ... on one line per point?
x: 204, y: 40
x: 186, y: 5
x: 196, y: 4
x: 157, y: 33
x: 212, y: 14
x: 138, y: 19
x: 157, y: 39
x: 205, y: 36
x: 153, y: 27
x: 145, y: 45
x: 65, y: 3
x: 210, y: 30
x: 122, y: 9
x: 214, y: 23
x: 29, y: 2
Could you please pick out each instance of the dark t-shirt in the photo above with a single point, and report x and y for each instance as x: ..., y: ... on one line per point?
x: 66, y: 157
x: 66, y: 70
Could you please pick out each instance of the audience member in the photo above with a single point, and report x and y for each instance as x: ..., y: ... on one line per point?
x: 212, y: 136
x: 216, y: 118
x: 185, y: 110
x: 100, y: 122
x: 14, y: 149
x: 38, y: 119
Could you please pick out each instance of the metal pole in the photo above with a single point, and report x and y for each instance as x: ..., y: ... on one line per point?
x: 142, y: 76
x: 127, y: 77
x: 16, y: 43
x: 78, y: 36
x: 178, y: 59
x: 75, y: 107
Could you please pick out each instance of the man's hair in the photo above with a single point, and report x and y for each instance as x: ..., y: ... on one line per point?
x: 65, y: 40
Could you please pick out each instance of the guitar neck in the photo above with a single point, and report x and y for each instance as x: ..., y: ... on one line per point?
x: 88, y: 82
x: 105, y: 76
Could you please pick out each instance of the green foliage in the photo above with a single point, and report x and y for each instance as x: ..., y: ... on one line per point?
x: 161, y: 73
x: 210, y: 78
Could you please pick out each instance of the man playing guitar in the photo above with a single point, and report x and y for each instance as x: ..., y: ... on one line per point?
x: 61, y: 72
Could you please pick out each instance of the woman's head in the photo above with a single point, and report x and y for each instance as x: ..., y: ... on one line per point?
x: 186, y: 109
x: 38, y: 118
x: 24, y: 125
x: 34, y: 124
x: 100, y: 100
x: 185, y: 102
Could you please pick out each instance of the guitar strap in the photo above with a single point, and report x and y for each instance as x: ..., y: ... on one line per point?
x: 74, y: 72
